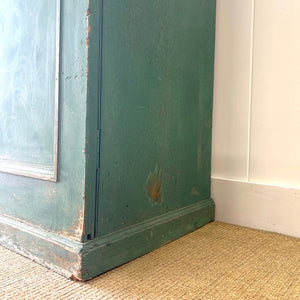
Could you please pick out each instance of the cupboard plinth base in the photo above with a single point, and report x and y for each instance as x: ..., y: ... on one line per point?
x: 83, y: 261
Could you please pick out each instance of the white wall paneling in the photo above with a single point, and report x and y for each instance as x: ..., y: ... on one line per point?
x: 275, y: 126
x: 232, y: 88
x: 256, y: 121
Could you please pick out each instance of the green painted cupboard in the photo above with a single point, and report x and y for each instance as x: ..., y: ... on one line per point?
x: 105, y: 128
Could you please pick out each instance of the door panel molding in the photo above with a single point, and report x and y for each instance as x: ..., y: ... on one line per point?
x: 31, y: 169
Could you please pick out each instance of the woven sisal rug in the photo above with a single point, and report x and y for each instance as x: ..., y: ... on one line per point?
x: 218, y: 261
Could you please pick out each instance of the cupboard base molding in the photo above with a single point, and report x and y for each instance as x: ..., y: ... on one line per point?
x: 83, y: 261
x: 54, y: 251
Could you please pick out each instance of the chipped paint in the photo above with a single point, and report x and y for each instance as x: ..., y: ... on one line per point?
x: 88, y: 12
x: 153, y: 185
x: 77, y: 230
x: 79, y: 224
x: 61, y: 255
x: 88, y: 37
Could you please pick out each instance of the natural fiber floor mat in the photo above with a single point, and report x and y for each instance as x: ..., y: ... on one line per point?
x: 217, y: 261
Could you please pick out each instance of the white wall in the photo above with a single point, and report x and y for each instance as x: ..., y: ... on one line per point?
x: 256, y: 121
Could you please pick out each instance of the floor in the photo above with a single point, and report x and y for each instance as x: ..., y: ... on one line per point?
x: 217, y: 261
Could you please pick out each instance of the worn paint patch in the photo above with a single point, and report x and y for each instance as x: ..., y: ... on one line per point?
x: 199, y: 155
x: 153, y: 185
x: 88, y: 36
x: 78, y: 228
x: 194, y: 192
x: 88, y: 12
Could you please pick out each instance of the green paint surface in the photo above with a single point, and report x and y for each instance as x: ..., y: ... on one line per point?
x: 27, y: 78
x: 135, y: 108
x: 57, y: 207
x: 156, y: 105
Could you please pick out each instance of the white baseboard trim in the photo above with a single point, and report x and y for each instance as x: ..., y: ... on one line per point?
x: 265, y: 207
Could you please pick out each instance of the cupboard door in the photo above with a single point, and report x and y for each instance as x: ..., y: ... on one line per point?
x: 39, y: 72
x: 156, y: 105
x: 29, y: 65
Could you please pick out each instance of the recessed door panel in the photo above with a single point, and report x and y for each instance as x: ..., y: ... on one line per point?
x: 29, y: 56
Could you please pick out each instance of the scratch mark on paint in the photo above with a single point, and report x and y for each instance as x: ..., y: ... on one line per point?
x: 194, y: 192
x: 199, y: 155
x: 153, y: 185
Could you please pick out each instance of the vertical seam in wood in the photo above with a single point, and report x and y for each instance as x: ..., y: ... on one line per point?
x: 57, y: 73
x: 250, y: 88
x: 99, y: 121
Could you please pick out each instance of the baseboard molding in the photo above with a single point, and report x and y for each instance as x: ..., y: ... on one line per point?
x: 256, y: 205
x: 104, y: 254
x: 51, y: 250
x: 83, y: 261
